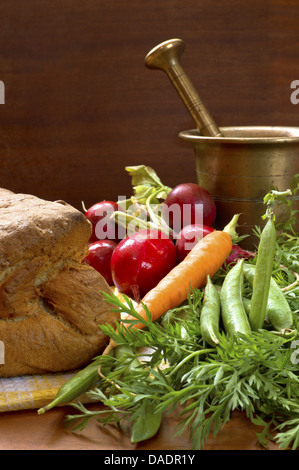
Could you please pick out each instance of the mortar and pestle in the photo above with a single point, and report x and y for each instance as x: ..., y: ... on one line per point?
x: 237, y: 165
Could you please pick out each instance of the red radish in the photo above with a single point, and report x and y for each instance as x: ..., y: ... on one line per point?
x: 141, y: 260
x: 237, y: 253
x: 188, y: 238
x: 189, y: 203
x: 99, y: 257
x: 102, y: 227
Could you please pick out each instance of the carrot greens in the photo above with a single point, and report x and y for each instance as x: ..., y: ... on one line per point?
x: 255, y: 373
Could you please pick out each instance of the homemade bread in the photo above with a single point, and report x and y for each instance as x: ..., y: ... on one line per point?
x: 51, y: 304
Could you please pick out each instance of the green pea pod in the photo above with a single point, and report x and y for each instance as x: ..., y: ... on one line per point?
x: 74, y: 387
x: 233, y: 313
x: 210, y: 314
x: 278, y: 311
x: 146, y: 423
x: 262, y: 276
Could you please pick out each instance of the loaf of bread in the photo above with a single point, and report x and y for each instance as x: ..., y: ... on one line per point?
x: 51, y: 304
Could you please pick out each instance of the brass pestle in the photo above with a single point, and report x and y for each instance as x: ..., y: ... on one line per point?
x: 165, y: 56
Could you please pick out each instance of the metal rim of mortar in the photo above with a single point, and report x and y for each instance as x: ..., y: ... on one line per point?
x: 286, y: 134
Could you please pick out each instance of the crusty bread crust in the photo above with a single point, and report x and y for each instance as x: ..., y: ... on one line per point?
x: 31, y: 227
x: 51, y: 304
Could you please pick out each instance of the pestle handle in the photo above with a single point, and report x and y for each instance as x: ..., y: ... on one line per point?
x: 166, y: 56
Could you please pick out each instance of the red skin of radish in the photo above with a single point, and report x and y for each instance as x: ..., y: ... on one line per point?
x: 140, y: 261
x: 189, y: 237
x: 202, y: 206
x: 106, y: 229
x: 236, y: 254
x: 99, y: 257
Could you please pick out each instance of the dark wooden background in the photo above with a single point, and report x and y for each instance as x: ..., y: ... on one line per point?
x: 81, y: 105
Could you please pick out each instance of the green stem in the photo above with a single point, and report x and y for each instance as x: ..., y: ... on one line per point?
x: 230, y: 228
x: 187, y: 358
x: 125, y: 219
x: 159, y: 221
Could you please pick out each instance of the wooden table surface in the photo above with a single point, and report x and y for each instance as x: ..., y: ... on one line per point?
x: 25, y: 430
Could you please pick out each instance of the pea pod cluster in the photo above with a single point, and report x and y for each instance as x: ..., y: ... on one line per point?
x: 278, y: 311
x: 227, y: 306
x: 234, y: 309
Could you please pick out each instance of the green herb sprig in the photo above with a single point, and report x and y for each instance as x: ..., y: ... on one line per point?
x: 254, y: 374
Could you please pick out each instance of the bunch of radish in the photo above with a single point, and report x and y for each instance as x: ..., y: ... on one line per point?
x: 136, y: 263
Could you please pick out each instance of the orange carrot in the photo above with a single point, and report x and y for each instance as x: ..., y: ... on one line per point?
x: 205, y: 258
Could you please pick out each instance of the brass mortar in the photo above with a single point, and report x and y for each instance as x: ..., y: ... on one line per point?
x: 240, y: 167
